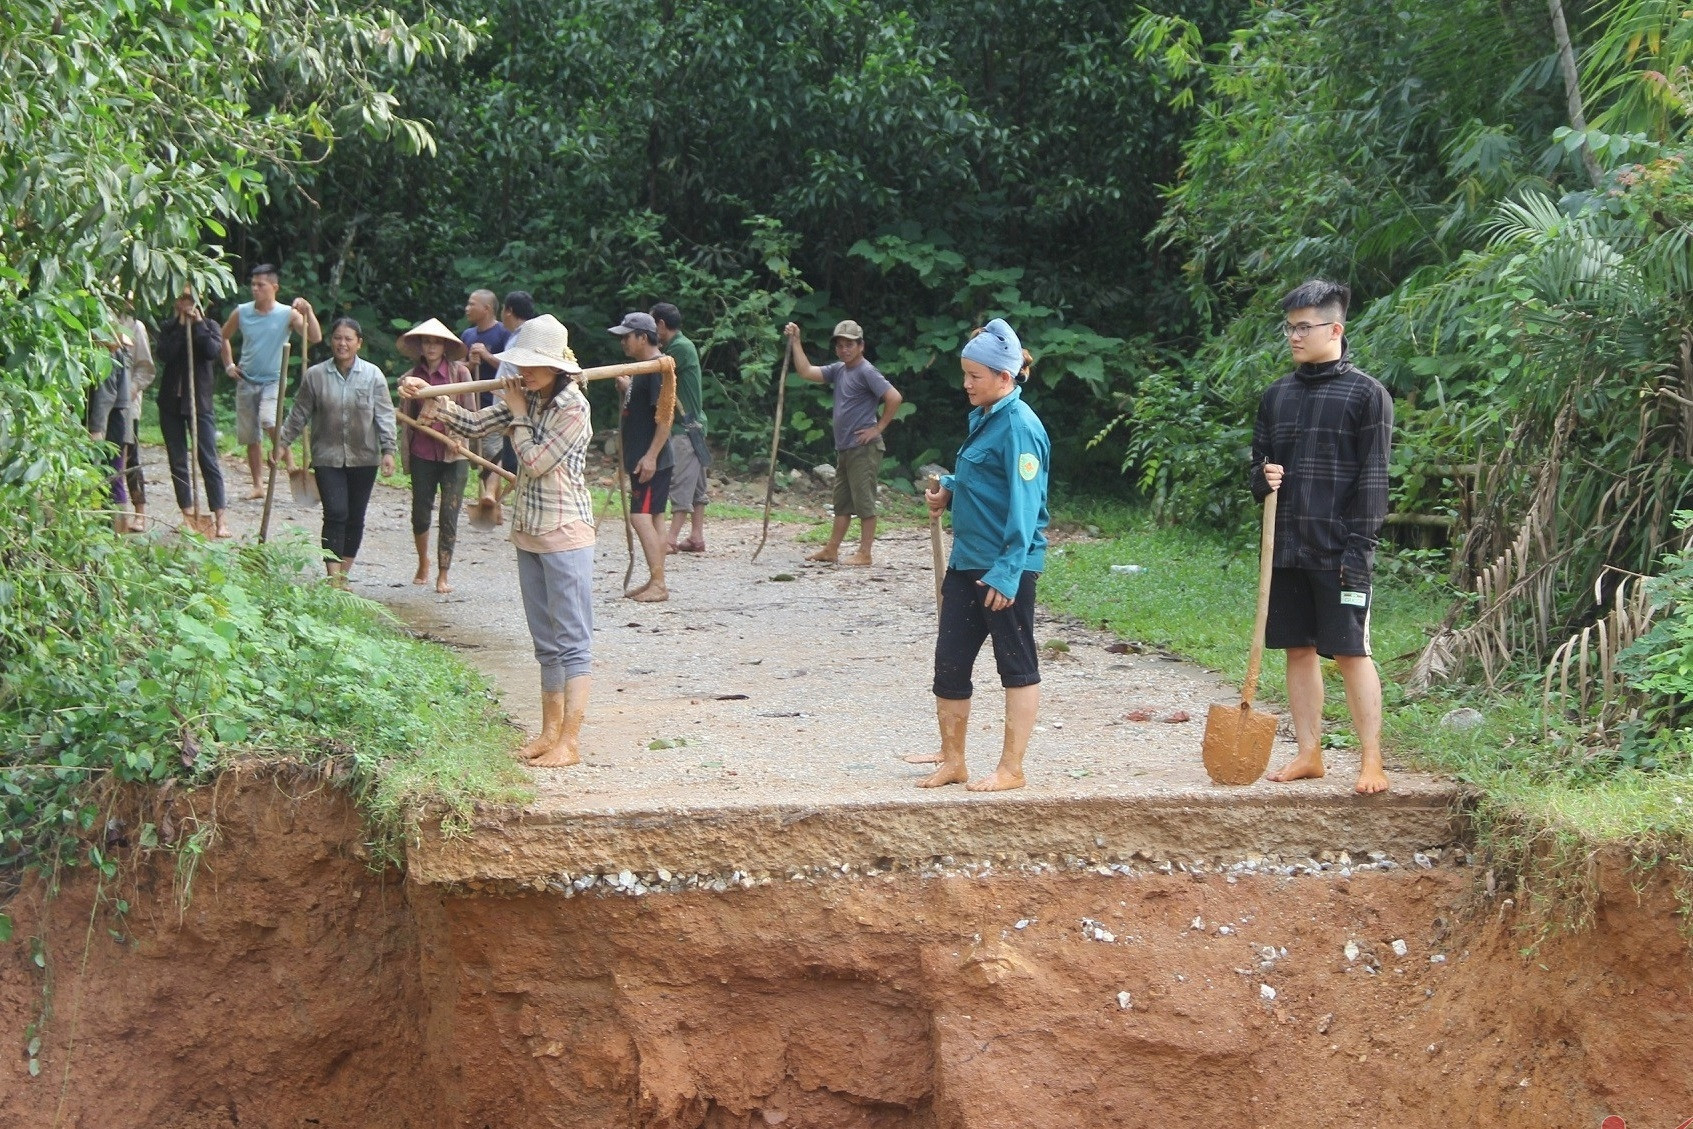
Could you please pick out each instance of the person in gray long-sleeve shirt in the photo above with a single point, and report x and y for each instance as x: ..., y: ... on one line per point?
x: 346, y: 403
x: 1321, y: 445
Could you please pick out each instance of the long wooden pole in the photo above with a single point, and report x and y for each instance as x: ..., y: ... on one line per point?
x: 775, y: 443
x: 195, y: 521
x: 455, y: 446
x: 937, y: 547
x: 281, y: 399
x: 603, y: 372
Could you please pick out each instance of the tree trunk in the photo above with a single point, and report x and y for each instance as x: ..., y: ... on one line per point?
x: 1572, y: 89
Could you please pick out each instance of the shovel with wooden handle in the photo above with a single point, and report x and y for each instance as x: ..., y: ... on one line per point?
x: 937, y: 547
x: 477, y: 517
x: 270, y: 484
x: 775, y: 445
x: 302, y: 483
x: 203, y: 524
x: 1238, y: 739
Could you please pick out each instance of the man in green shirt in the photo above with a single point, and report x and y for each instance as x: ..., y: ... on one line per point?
x: 687, y: 435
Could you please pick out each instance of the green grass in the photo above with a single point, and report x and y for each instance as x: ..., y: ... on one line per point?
x: 1545, y: 797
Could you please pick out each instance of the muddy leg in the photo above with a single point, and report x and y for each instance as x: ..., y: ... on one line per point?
x: 652, y: 548
x: 1022, y: 703
x: 422, y: 575
x: 954, y: 718
x: 837, y: 534
x: 552, y: 725
x: 573, y: 708
x: 1305, y: 702
x: 1363, y: 697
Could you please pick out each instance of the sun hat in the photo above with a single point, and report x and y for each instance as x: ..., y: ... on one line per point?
x: 848, y: 329
x: 633, y: 322
x: 997, y: 347
x: 410, y: 342
x: 542, y: 341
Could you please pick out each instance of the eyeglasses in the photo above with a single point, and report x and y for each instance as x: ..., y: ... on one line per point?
x: 1300, y: 330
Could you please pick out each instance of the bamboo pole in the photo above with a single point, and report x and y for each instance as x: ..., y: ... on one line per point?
x: 775, y: 443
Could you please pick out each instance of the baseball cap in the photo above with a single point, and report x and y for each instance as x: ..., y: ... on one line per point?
x: 849, y: 329
x: 634, y: 321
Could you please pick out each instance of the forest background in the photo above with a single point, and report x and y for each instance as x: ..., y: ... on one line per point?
x: 1502, y: 182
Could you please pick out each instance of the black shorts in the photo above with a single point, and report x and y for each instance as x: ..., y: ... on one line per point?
x: 1308, y: 609
x: 966, y: 624
x: 649, y: 497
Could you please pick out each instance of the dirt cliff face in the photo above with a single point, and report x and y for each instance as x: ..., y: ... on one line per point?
x: 301, y: 988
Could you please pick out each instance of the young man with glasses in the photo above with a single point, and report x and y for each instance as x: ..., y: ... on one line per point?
x: 1321, y: 443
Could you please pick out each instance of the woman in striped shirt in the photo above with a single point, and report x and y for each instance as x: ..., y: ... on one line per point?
x: 545, y: 416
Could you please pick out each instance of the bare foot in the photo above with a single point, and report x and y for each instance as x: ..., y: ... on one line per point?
x: 533, y: 747
x: 442, y: 587
x: 922, y: 758
x: 669, y: 548
x: 944, y: 775
x: 858, y: 560
x: 558, y: 756
x: 422, y: 576
x: 1370, y: 782
x: 1000, y: 781
x: 138, y: 522
x: 256, y: 493
x: 222, y: 533
x: 651, y: 594
x: 1305, y: 766
x: 825, y: 555
x: 637, y: 590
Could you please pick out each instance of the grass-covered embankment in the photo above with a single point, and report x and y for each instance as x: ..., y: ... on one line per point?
x: 1541, y: 782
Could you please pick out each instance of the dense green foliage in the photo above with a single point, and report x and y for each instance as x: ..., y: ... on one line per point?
x: 131, y: 136
x: 916, y: 167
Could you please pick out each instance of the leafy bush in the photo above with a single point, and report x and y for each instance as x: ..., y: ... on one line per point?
x: 165, y: 660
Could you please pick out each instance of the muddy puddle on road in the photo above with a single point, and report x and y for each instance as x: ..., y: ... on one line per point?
x: 299, y: 987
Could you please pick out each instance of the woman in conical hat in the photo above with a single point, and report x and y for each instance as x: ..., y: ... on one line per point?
x: 434, y: 467
x: 545, y: 416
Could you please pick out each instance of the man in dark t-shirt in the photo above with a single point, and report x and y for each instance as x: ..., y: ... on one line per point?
x: 645, y: 442
x: 486, y: 330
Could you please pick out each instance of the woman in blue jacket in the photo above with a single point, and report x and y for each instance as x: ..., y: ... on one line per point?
x: 998, y: 500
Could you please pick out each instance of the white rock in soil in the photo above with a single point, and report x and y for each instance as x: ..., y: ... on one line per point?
x: 1224, y: 930
x: 1400, y: 948
x: 1437, y: 958
x: 1023, y: 923
x: 625, y: 879
x: 1266, y: 992
x: 825, y: 472
x: 1462, y: 719
x: 1123, y: 1001
x: 1351, y: 951
x: 1422, y: 860
x: 1198, y: 925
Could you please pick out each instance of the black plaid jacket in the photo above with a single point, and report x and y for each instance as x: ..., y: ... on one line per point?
x: 1329, y: 426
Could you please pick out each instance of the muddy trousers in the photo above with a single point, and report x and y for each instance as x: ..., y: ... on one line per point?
x: 428, y: 476
x: 175, y: 430
x: 558, y: 601
x: 345, y: 492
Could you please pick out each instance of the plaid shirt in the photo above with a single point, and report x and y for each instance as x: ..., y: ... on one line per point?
x: 1329, y: 427
x: 552, y: 448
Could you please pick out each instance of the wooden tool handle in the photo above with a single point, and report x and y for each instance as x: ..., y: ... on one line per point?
x: 603, y: 372
x: 456, y: 446
x: 936, y: 547
x: 1266, y: 560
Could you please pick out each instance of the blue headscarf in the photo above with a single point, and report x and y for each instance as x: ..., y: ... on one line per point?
x: 997, y: 347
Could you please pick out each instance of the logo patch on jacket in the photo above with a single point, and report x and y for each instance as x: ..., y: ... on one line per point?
x: 1028, y: 466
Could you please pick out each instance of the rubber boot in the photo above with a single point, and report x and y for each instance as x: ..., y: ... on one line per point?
x: 573, y: 708
x: 552, y: 723
x: 953, y: 715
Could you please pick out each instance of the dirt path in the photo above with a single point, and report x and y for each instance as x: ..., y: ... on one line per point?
x: 808, y: 689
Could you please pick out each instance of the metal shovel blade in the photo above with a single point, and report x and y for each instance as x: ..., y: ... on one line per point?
x: 302, y: 484
x: 485, y: 514
x: 203, y: 524
x: 1237, y: 743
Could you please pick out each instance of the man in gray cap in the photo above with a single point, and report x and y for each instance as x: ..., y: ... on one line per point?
x: 645, y: 442
x: 858, y: 388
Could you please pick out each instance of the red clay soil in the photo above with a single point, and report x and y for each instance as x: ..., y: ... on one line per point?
x: 302, y: 988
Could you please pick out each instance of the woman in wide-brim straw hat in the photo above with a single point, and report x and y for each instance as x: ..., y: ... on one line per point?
x: 997, y: 495
x: 435, y: 468
x: 545, y: 416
